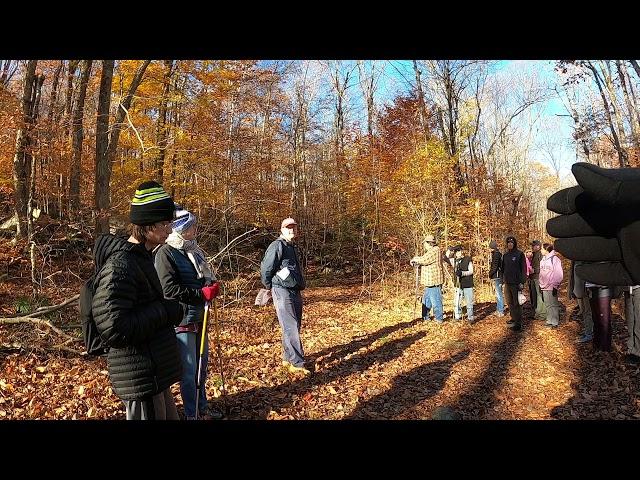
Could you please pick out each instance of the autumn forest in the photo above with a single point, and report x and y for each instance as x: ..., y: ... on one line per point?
x: 368, y: 156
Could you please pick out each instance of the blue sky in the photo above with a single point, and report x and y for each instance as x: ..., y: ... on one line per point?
x: 398, y: 76
x: 553, y: 112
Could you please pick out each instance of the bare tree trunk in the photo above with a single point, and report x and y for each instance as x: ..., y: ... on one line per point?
x: 68, y: 103
x: 103, y: 168
x: 77, y: 137
x: 46, y: 159
x: 622, y: 154
x: 340, y: 83
x: 605, y: 67
x: 161, y: 129
x: 421, y: 101
x: 7, y: 70
x: 22, y: 156
x: 106, y: 156
x: 54, y: 92
x: 636, y: 66
x: 368, y: 86
x: 631, y: 108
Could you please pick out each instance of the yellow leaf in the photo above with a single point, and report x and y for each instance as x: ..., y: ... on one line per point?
x: 331, y: 390
x: 90, y: 412
x: 40, y: 369
x: 6, y: 386
x: 81, y: 390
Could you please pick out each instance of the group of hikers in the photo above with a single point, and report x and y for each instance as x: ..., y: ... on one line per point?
x: 509, y: 271
x: 151, y: 292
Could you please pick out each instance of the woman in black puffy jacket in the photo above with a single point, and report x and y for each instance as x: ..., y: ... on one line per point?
x: 133, y: 318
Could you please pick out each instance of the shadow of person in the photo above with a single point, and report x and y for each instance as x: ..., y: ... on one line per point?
x: 258, y: 402
x: 408, y: 390
x: 340, y: 351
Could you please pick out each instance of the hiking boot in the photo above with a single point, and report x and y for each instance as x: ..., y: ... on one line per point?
x: 299, y: 370
x: 631, y: 359
x: 499, y: 314
x: 551, y: 325
x: 511, y: 321
x: 211, y: 413
x: 584, y: 338
x: 516, y: 327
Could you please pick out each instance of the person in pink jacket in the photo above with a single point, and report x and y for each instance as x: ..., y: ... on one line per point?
x: 550, y: 279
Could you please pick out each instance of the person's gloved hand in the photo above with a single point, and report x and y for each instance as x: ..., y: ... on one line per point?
x: 600, y: 223
x: 175, y: 311
x: 211, y: 292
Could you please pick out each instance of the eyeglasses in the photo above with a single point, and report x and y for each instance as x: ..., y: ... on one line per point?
x: 163, y: 225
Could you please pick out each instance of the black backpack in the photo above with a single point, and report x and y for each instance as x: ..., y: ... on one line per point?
x: 90, y: 335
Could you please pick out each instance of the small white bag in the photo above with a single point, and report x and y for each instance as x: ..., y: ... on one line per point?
x: 521, y: 298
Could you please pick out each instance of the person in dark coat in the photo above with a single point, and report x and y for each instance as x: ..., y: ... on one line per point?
x: 495, y: 275
x: 185, y: 276
x: 514, y: 269
x: 135, y: 322
x: 281, y: 272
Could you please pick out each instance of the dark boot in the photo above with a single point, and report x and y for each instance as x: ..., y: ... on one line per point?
x: 600, y: 302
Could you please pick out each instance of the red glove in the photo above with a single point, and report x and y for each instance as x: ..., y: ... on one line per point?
x: 211, y: 292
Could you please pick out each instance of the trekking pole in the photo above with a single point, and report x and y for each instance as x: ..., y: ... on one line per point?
x: 201, y: 355
x: 219, y: 355
x: 415, y: 293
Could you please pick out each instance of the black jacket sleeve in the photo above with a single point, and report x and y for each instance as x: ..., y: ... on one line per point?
x: 495, y: 263
x: 523, y: 268
x: 170, y: 279
x: 118, y: 317
x: 270, y: 263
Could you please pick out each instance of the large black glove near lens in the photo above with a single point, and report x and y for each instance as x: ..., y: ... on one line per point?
x: 600, y: 222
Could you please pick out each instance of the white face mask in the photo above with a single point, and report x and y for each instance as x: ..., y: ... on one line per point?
x: 289, y: 233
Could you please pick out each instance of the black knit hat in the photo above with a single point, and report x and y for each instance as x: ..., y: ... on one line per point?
x: 151, y: 204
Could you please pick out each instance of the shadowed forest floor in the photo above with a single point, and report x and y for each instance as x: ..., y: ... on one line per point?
x: 373, y: 360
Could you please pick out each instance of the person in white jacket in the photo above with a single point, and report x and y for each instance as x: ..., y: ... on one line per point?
x: 550, y: 278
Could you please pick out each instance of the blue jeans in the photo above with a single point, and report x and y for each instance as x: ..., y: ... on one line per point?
x: 457, y: 300
x: 497, y: 285
x: 288, y: 305
x: 189, y: 345
x: 432, y: 298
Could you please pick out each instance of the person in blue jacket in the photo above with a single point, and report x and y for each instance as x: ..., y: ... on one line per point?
x: 281, y: 273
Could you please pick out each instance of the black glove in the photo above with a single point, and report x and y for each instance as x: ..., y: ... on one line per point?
x: 600, y: 223
x: 175, y: 311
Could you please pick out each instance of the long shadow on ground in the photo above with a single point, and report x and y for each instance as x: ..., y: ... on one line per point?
x: 477, y: 401
x: 606, y: 387
x: 408, y: 390
x: 340, y: 351
x: 258, y: 402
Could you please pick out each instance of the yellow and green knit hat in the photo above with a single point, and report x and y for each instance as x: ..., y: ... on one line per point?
x: 151, y: 204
